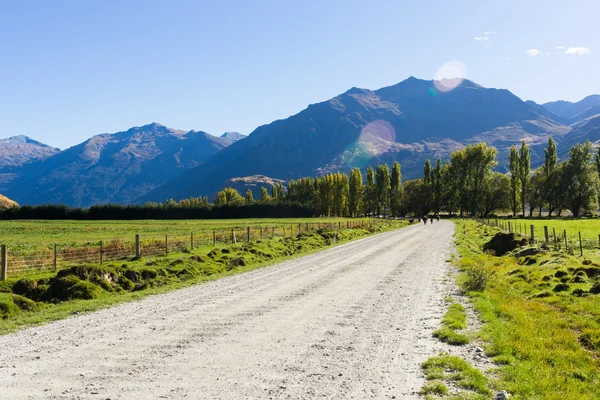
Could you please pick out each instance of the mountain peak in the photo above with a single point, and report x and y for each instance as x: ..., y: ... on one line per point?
x: 233, y: 136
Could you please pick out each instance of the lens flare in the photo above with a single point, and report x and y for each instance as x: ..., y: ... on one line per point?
x: 377, y: 137
x: 449, y: 76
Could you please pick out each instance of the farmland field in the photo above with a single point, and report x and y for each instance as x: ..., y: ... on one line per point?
x: 589, y: 228
x: 45, y: 233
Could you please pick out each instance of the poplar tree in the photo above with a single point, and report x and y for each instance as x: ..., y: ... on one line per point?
x: 249, y: 197
x: 513, y: 166
x: 396, y: 190
x: 524, y: 170
x: 383, y: 188
x: 264, y: 194
x: 355, y: 192
x: 551, y: 188
x: 437, y: 179
x: 370, y: 192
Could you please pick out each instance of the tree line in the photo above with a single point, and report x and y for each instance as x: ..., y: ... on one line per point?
x: 466, y: 184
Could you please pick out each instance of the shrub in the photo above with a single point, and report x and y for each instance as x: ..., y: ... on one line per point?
x: 477, y: 275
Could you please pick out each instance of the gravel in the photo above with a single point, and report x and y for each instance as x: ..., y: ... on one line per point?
x: 351, y: 322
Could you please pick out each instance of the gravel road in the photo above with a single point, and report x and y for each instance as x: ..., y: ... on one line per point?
x: 351, y: 322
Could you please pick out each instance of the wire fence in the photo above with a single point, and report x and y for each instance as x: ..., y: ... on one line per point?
x: 560, y: 240
x: 14, y: 262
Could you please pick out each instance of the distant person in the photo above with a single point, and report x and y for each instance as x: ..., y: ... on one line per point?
x: 425, y: 219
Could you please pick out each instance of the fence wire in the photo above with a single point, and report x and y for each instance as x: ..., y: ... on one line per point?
x: 23, y: 262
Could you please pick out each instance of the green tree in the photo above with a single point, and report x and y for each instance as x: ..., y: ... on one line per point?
x: 249, y: 196
x: 427, y: 171
x: 415, y: 194
x: 468, y: 169
x: 551, y: 189
x: 580, y: 179
x: 437, y: 180
x: 383, y: 183
x: 229, y: 195
x: 370, y: 192
x: 396, y: 190
x: 524, y: 171
x: 536, y: 191
x: 355, y: 192
x: 513, y: 165
x: 264, y: 194
x: 496, y: 194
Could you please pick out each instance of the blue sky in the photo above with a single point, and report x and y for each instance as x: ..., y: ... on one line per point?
x: 73, y: 69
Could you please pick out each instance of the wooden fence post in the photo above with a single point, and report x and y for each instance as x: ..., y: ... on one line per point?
x: 532, y: 233
x: 260, y: 232
x: 554, y: 234
x: 580, y: 245
x: 232, y: 236
x: 192, y: 241
x: 166, y: 245
x: 55, y: 263
x: 101, y: 253
x: 566, y: 243
x: 509, y: 227
x: 214, y: 238
x: 137, y: 246
x: 546, y: 233
x: 248, y: 234
x: 3, y: 263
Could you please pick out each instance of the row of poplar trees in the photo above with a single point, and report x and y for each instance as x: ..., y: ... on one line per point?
x: 335, y: 194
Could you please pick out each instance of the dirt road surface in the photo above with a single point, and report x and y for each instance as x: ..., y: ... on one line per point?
x: 351, y: 322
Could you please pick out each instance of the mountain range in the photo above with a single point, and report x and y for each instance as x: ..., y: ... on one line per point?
x: 409, y: 122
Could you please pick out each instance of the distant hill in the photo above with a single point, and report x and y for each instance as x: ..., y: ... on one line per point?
x: 117, y: 167
x: 233, y: 136
x: 5, y: 202
x: 254, y: 183
x: 18, y: 150
x: 568, y: 109
x: 408, y: 122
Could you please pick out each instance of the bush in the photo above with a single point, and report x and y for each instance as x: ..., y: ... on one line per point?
x: 477, y: 274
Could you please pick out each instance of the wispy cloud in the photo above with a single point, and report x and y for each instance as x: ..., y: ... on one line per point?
x: 533, y: 52
x: 490, y: 33
x: 482, y: 38
x: 559, y: 47
x: 580, y: 51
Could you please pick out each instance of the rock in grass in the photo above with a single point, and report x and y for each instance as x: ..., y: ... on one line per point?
x: 595, y: 289
x: 503, y: 395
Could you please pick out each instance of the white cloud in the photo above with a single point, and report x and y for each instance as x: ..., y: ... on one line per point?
x: 533, y: 52
x: 559, y: 47
x: 507, y: 58
x: 490, y: 33
x: 482, y: 38
x: 578, y: 51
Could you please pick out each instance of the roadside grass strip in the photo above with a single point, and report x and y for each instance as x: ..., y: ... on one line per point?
x: 446, y: 370
x: 455, y: 319
x: 540, y: 314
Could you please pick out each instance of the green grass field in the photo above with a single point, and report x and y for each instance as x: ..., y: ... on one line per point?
x: 589, y: 228
x: 540, y: 314
x: 45, y: 233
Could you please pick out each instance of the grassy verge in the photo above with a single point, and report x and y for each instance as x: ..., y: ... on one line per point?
x: 50, y: 296
x: 540, y: 314
x: 455, y: 319
x: 459, y: 374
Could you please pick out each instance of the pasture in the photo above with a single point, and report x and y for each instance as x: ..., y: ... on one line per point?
x: 27, y: 234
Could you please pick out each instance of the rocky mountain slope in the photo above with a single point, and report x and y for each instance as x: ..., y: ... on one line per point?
x: 19, y: 150
x: 408, y: 122
x: 117, y: 167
